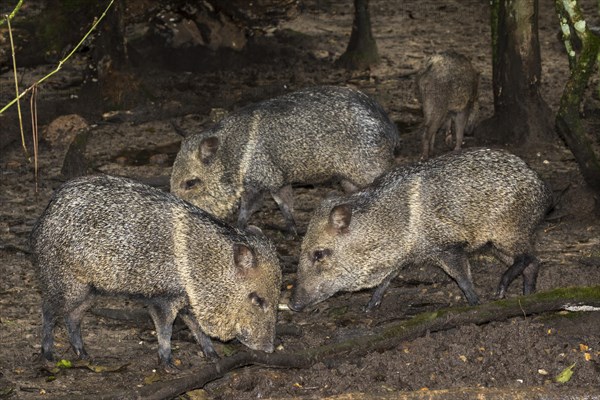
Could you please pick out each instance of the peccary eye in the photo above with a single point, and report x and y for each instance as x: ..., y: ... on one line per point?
x: 320, y: 254
x: 187, y: 185
x: 257, y: 300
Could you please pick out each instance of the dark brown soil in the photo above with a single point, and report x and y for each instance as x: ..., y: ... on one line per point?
x: 522, y: 352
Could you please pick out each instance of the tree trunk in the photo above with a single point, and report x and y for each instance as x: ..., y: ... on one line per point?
x: 361, y: 52
x: 117, y: 84
x: 521, y: 116
x: 568, y: 121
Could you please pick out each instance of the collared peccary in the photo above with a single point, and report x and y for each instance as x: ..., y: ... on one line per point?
x: 310, y: 136
x: 447, y: 87
x: 435, y: 212
x: 106, y: 235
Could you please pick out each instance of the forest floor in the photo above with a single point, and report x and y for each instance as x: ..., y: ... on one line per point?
x: 516, y: 353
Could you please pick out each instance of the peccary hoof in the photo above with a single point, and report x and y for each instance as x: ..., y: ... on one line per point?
x: 473, y: 301
x: 290, y: 232
x: 82, y: 354
x: 169, y: 367
x: 47, y: 356
x: 211, y: 354
x: 372, y: 305
x: 501, y: 293
x: 287, y: 235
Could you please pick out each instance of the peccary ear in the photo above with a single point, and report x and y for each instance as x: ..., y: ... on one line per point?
x: 178, y: 129
x: 255, y: 230
x: 339, y: 218
x: 243, y: 257
x: 208, y: 148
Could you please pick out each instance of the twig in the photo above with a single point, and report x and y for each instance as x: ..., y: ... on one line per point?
x: 13, y: 13
x: 61, y: 62
x: 34, y: 131
x: 14, y: 61
x: 524, y: 313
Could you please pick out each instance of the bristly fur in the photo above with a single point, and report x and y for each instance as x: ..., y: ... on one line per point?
x: 104, y: 235
x: 435, y: 212
x: 313, y: 135
x: 447, y: 86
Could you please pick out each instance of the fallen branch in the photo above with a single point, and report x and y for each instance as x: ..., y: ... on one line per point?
x: 383, y: 338
x: 199, y: 377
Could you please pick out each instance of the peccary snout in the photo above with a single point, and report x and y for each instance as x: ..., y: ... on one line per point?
x: 298, y: 300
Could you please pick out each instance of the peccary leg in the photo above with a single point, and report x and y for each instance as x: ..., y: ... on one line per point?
x: 73, y: 322
x: 379, y: 291
x: 506, y: 257
x: 521, y: 262
x: 455, y: 263
x: 530, y: 275
x: 428, y: 139
x: 163, y: 314
x: 251, y: 202
x: 48, y: 323
x: 284, y: 198
x: 76, y: 300
x: 202, y: 339
x: 447, y: 129
x: 432, y: 142
x: 460, y: 123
